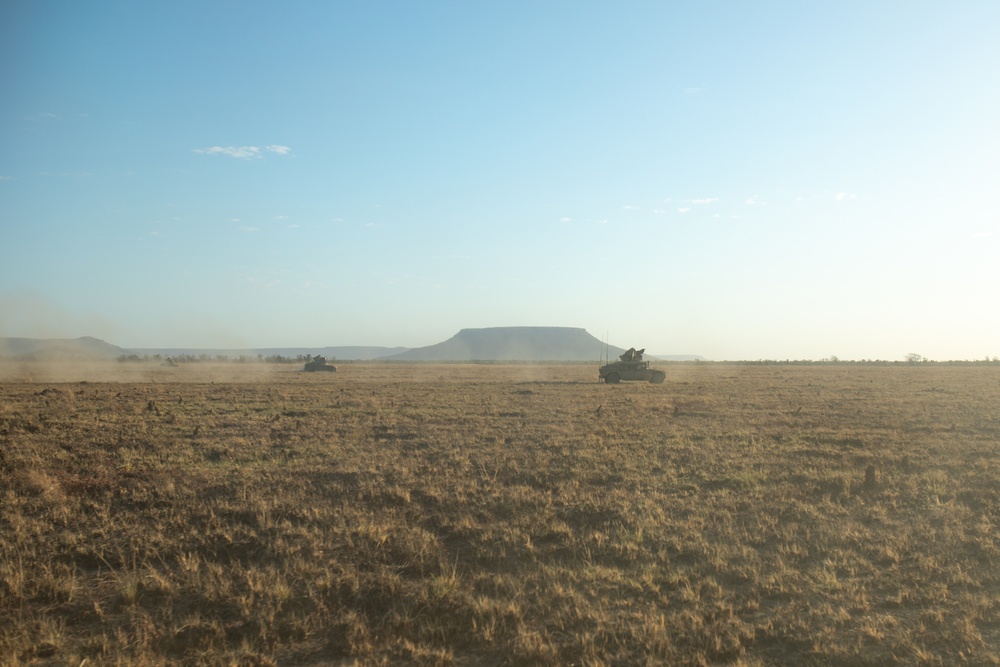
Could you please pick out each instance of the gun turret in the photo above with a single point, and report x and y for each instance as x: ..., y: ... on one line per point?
x: 632, y: 354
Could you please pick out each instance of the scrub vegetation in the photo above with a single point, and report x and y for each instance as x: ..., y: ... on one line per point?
x: 501, y: 515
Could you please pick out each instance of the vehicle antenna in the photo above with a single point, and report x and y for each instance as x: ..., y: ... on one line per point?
x: 601, y: 355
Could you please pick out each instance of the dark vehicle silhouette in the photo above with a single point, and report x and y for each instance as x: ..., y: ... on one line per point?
x: 318, y: 363
x: 631, y: 367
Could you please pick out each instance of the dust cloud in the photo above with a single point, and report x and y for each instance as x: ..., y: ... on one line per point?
x: 31, y: 314
x: 143, y: 372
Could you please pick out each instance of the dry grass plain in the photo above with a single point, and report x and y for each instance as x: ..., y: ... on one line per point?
x: 499, y: 515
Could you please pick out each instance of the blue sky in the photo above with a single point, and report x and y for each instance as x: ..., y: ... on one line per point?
x: 776, y: 180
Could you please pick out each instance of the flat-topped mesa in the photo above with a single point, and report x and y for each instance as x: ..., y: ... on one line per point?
x: 522, y: 343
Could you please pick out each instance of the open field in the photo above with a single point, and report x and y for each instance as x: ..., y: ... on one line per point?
x: 499, y: 515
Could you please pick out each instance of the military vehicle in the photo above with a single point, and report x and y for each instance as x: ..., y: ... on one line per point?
x: 318, y: 363
x: 631, y: 367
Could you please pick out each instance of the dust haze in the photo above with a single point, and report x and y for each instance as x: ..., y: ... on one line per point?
x: 147, y: 371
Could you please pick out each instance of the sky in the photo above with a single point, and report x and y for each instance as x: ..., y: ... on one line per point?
x: 766, y: 180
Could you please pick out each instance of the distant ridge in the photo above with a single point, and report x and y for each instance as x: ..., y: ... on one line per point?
x: 94, y: 349
x: 513, y: 344
x: 530, y: 344
x: 59, y: 349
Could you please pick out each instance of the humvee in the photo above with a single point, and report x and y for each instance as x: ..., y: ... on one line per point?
x: 318, y: 363
x: 631, y: 367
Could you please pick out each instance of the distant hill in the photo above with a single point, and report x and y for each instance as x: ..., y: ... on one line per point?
x: 59, y: 349
x: 88, y: 348
x: 513, y: 344
x: 490, y: 344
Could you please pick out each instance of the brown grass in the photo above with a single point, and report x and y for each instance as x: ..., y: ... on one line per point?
x: 501, y: 515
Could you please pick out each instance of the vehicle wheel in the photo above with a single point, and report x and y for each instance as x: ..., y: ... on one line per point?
x: 658, y: 378
x: 612, y: 378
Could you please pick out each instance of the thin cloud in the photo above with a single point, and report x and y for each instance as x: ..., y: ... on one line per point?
x: 707, y: 200
x: 264, y: 283
x: 565, y: 219
x: 44, y: 115
x: 843, y: 196
x: 684, y: 210
x: 244, y: 152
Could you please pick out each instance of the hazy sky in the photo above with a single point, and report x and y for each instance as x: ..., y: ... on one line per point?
x: 740, y: 180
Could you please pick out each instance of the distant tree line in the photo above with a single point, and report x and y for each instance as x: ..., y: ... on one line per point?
x: 909, y: 360
x: 214, y: 358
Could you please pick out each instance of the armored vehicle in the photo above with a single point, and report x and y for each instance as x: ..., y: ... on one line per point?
x: 631, y: 367
x: 318, y: 363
